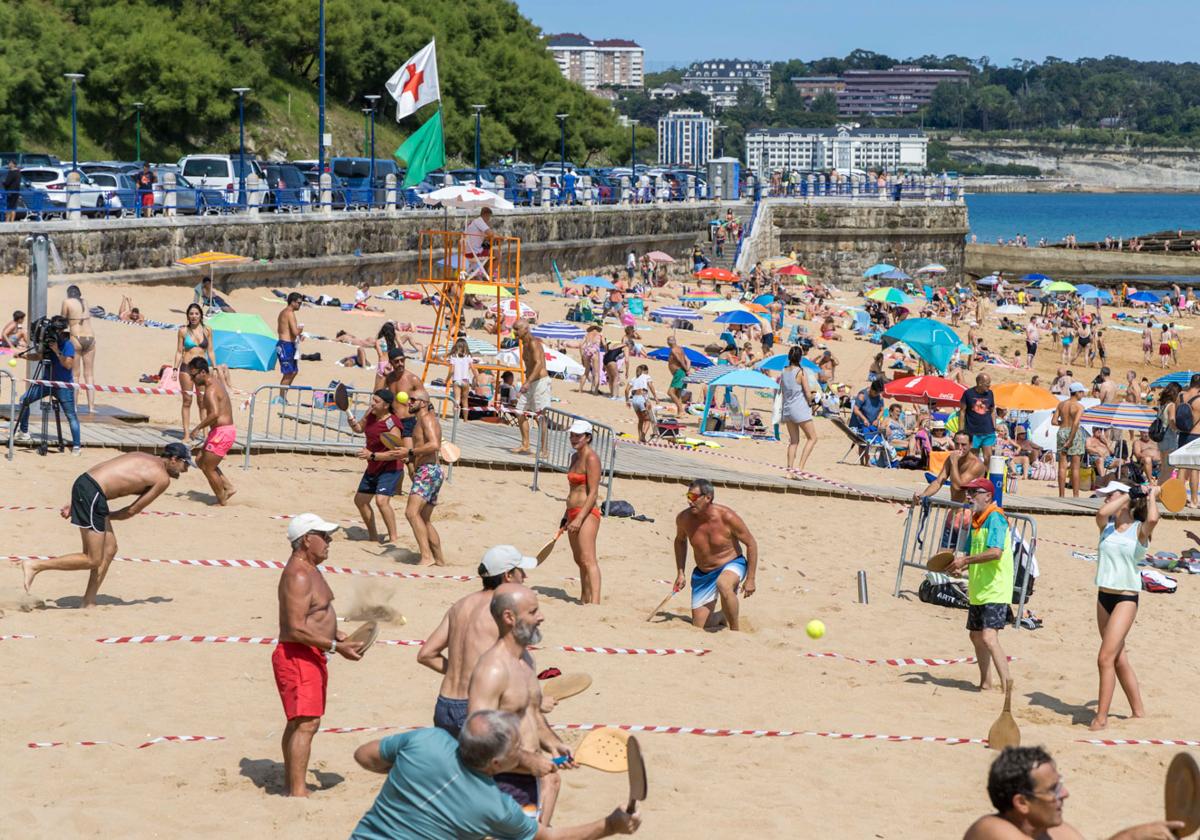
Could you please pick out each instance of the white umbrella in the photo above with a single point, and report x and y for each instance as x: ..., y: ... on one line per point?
x: 467, y: 197
x: 1186, y: 456
x: 1045, y: 436
x: 556, y: 362
x: 510, y: 309
x: 932, y: 268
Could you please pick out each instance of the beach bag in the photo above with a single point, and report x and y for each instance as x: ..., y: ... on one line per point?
x: 1158, y: 429
x: 617, y: 508
x: 1154, y: 581
x: 950, y: 594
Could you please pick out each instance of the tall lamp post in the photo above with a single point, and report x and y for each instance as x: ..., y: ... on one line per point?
x: 562, y: 149
x: 373, y: 98
x: 366, y: 112
x: 75, y: 79
x: 478, y: 114
x: 241, y: 94
x: 138, y: 131
x: 633, y: 157
x: 321, y: 91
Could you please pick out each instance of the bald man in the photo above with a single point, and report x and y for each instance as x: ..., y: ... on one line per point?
x: 978, y: 411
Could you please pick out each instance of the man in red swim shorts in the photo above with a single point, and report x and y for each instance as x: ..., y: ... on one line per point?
x: 218, y: 413
x: 308, y: 634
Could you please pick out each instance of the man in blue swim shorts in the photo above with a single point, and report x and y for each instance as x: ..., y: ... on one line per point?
x: 289, y: 333
x: 978, y: 412
x: 726, y: 556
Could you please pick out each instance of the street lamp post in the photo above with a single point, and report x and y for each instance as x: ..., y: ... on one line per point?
x: 373, y: 98
x: 366, y: 112
x: 241, y: 94
x: 321, y: 91
x: 75, y: 79
x: 562, y: 149
x: 137, y: 155
x: 478, y: 114
x: 633, y: 156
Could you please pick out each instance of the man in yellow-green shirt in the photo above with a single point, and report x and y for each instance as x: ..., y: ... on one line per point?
x: 989, y: 565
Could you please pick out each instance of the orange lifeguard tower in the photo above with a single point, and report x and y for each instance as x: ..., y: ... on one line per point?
x: 450, y: 269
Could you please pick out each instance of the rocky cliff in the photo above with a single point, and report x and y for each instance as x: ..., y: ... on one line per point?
x: 1101, y: 168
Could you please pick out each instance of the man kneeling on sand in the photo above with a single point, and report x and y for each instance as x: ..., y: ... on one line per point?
x: 726, y: 556
x: 1028, y: 794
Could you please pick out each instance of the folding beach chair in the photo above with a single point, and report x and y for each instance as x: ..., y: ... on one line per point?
x: 876, y: 447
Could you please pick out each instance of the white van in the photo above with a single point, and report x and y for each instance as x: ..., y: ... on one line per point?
x: 217, y: 172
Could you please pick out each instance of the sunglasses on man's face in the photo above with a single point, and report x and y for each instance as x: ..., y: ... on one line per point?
x: 693, y: 496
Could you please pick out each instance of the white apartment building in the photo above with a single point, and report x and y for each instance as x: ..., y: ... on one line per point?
x: 593, y: 64
x: 685, y: 138
x: 844, y: 148
x: 721, y: 79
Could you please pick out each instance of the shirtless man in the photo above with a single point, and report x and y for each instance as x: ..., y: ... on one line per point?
x: 828, y: 364
x: 427, y: 477
x: 726, y: 555
x: 466, y: 631
x: 1070, y: 438
x: 679, y: 366
x: 535, y: 393
x: 1133, y: 388
x: 1107, y: 388
x: 504, y: 678
x: 218, y: 411
x: 961, y: 468
x: 131, y: 474
x: 79, y: 324
x: 399, y: 379
x: 289, y: 334
x: 308, y: 635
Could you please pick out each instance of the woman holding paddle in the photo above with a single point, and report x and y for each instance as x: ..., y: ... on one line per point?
x: 1123, y: 544
x: 582, y: 520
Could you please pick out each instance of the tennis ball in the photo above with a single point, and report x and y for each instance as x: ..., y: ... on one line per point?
x: 402, y: 397
x: 12, y: 362
x: 815, y: 628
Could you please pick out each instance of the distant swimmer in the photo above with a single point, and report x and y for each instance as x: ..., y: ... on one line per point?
x: 131, y: 474
x: 726, y: 556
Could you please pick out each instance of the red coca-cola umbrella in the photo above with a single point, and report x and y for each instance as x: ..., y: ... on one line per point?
x: 925, y: 389
x: 794, y: 270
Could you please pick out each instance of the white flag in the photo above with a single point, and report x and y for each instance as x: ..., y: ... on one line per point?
x: 415, y: 83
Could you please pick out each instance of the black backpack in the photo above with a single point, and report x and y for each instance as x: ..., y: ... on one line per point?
x: 1158, y: 429
x: 1185, y: 421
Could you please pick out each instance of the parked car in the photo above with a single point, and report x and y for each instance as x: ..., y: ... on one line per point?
x: 52, y: 180
x: 289, y: 190
x: 124, y: 191
x: 221, y: 172
x: 24, y: 159
x: 487, y: 180
x: 337, y: 188
x: 355, y: 173
x: 190, y: 199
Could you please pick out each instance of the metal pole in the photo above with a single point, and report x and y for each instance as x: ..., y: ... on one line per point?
x: 478, y: 114
x: 74, y: 77
x: 372, y: 98
x: 633, y: 151
x: 137, y: 155
x: 321, y: 93
x: 366, y: 132
x: 241, y: 92
x: 862, y: 587
x: 562, y: 149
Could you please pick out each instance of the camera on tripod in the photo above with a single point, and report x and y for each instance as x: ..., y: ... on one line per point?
x: 46, y: 334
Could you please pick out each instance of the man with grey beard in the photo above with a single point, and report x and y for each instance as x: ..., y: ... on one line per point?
x: 505, y: 678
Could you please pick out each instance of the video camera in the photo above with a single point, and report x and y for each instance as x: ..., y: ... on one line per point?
x: 46, y: 334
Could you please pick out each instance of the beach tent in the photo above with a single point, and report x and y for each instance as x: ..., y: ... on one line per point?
x: 1035, y: 278
x: 736, y: 378
x: 242, y: 341
x: 932, y: 341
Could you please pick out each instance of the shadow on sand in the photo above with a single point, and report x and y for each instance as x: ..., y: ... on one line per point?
x: 267, y: 775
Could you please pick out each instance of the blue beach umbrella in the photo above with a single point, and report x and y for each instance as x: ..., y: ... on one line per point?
x: 878, y: 268
x: 594, y: 282
x: 764, y: 300
x: 737, y: 378
x: 1035, y: 277
x: 1179, y: 377
x: 737, y: 317
x: 894, y: 274
x: 1082, y: 289
x: 558, y: 331
x: 931, y: 340
x: 780, y: 360
x: 675, y: 313
x: 1098, y: 294
x: 242, y: 341
x: 698, y: 359
x: 1145, y: 297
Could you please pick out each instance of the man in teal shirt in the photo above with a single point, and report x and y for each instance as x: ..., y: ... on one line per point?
x: 437, y: 788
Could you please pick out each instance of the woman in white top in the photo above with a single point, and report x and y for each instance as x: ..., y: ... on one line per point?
x: 462, y: 374
x: 1123, y: 543
x: 797, y: 397
x: 639, y: 393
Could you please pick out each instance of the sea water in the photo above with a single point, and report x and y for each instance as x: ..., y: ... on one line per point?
x: 1090, y: 216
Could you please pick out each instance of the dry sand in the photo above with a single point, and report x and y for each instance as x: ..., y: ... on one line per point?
x: 63, y: 686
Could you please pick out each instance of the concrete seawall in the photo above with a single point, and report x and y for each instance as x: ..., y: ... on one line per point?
x: 1067, y: 263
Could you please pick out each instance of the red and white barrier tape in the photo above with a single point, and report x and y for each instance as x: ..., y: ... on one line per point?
x: 161, y: 739
x: 268, y: 640
x: 766, y: 733
x: 900, y: 663
x: 16, y: 636
x: 142, y: 513
x: 239, y: 563
x: 112, y: 389
x: 1125, y: 742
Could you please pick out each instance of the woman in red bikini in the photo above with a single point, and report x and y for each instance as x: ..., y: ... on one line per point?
x: 582, y: 520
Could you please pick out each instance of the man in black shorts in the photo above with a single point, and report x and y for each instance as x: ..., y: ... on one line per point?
x: 131, y: 474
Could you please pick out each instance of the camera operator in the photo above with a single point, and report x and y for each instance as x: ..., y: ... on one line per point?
x: 53, y: 343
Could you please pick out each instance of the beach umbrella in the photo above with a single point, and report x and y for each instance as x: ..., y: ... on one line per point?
x: 698, y: 359
x: 757, y: 308
x: 1097, y: 294
x: 878, y: 268
x: 1119, y: 416
x: 1023, y: 397
x: 242, y: 341
x: 1144, y: 297
x: 765, y: 300
x: 1084, y: 288
x: 990, y: 280
x: 737, y: 316
x: 1179, y: 377
x: 932, y: 268
x: 594, y: 281
x: 776, y: 263
x: 743, y: 378
x: 931, y: 340
x: 724, y: 305
x: 1035, y: 278
x: 466, y: 197
x: 479, y: 347
x: 720, y: 274
x: 894, y: 274
x: 511, y: 309
x: 1058, y: 286
x: 558, y: 331
x: 925, y: 389
x: 780, y: 360
x: 562, y: 364
x: 886, y: 294
x: 675, y: 313
x: 794, y: 271
x: 1010, y: 309
x: 660, y: 257
x: 1187, y: 455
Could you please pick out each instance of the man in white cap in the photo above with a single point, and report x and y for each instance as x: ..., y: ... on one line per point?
x: 1069, y: 440
x: 466, y: 631
x: 308, y: 636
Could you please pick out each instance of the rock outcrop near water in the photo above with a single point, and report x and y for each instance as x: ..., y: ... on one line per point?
x: 1116, y: 168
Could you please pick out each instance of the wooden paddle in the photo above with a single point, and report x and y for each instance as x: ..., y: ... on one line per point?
x: 341, y: 397
x: 450, y: 452
x: 1173, y: 494
x: 548, y: 548
x: 637, y: 774
x: 604, y: 749
x: 1182, y: 793
x: 367, y: 633
x: 662, y: 604
x: 940, y: 561
x: 566, y: 685
x: 1004, y: 732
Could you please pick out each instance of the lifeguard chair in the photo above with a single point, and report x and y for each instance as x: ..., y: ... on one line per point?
x: 451, y: 270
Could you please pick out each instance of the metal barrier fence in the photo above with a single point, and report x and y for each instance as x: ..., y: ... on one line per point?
x: 280, y: 419
x: 559, y: 452
x: 857, y: 187
x: 12, y: 412
x: 936, y: 525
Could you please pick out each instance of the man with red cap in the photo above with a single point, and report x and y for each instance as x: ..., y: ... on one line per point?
x: 989, y: 565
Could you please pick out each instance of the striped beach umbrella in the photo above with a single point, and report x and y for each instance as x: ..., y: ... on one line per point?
x: 886, y: 294
x: 1179, y: 377
x: 558, y: 331
x: 1119, y: 416
x: 675, y: 313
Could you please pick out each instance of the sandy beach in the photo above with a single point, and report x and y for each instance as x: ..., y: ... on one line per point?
x: 65, y: 686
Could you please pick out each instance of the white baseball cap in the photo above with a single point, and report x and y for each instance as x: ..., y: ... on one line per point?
x: 306, y: 522
x: 1114, y: 487
x: 580, y: 427
x: 1077, y: 387
x: 500, y: 559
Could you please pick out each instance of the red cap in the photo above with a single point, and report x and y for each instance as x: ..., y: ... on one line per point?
x: 981, y: 484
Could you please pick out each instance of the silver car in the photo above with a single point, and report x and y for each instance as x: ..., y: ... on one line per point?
x: 52, y: 181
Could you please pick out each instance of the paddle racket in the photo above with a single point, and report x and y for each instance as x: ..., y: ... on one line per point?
x: 566, y: 685
x: 604, y: 749
x: 1004, y: 732
x: 1173, y: 494
x: 1182, y: 792
x: 341, y: 397
x: 637, y: 774
x: 548, y: 548
x: 450, y: 452
x: 367, y: 633
x: 940, y: 561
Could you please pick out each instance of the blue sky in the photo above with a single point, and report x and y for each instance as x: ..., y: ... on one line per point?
x: 679, y: 31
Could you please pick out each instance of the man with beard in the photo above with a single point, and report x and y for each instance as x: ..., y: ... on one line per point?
x: 505, y: 678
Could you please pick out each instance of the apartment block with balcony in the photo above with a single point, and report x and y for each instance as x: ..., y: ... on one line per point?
x: 845, y: 148
x: 613, y: 62
x: 685, y: 138
x: 890, y: 93
x: 721, y: 79
x: 810, y: 87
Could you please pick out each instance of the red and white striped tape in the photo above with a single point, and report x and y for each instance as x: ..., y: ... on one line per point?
x: 161, y: 739
x: 267, y: 640
x: 1125, y: 742
x: 900, y: 663
x: 16, y: 636
x: 241, y: 563
x: 766, y: 733
x: 142, y: 513
x: 111, y: 389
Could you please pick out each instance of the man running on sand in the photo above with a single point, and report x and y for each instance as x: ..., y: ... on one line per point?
x: 308, y: 636
x: 223, y: 434
x: 427, y: 478
x: 680, y: 366
x: 535, y: 393
x: 132, y: 474
x: 1070, y: 438
x: 466, y: 631
x: 400, y: 380
x: 504, y: 678
x: 726, y: 555
x: 289, y: 333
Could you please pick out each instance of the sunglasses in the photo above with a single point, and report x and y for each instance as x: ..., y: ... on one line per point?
x: 322, y: 534
x: 693, y: 496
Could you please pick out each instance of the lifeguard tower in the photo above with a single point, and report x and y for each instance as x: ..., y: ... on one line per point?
x: 450, y: 269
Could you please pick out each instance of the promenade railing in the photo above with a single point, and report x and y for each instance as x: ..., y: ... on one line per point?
x: 554, y: 451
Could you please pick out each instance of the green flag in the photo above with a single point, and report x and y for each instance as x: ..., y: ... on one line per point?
x: 423, y: 151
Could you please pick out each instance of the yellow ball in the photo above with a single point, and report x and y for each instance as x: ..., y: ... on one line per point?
x: 815, y: 629
x: 12, y: 362
x: 402, y: 397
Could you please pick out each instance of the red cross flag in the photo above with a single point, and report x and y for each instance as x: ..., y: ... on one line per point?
x: 415, y: 83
